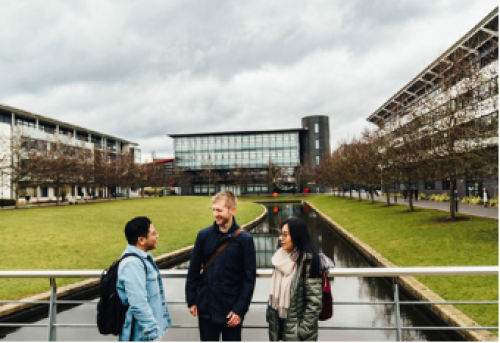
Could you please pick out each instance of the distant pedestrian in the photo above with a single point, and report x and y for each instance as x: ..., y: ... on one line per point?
x: 405, y: 193
x: 486, y: 197
x: 147, y: 318
x: 416, y: 193
x: 295, y: 297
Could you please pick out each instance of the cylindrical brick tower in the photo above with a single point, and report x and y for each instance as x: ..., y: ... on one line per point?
x: 316, y: 140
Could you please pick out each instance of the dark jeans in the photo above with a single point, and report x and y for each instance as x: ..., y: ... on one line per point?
x: 210, y: 332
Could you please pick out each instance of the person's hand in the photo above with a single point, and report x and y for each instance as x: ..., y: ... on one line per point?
x: 194, y: 310
x: 234, y: 319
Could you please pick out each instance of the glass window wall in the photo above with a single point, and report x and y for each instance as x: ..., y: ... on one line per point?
x: 245, y: 150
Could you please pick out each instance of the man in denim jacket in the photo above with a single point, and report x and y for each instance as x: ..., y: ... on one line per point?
x: 144, y: 293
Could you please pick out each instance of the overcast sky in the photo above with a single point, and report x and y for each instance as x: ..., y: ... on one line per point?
x: 142, y: 69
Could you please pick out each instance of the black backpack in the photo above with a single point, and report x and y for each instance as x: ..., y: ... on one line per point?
x: 110, y: 309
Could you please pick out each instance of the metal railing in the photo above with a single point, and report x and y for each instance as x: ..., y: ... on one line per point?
x: 265, y: 273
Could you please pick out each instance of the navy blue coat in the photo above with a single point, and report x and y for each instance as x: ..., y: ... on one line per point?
x: 229, y: 282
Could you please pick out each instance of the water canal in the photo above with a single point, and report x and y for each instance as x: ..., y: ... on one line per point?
x: 345, y: 289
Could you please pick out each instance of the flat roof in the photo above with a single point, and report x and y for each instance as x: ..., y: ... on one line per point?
x: 492, y: 17
x: 62, y: 123
x: 233, y: 132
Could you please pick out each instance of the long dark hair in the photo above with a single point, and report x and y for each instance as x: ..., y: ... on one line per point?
x: 302, y: 241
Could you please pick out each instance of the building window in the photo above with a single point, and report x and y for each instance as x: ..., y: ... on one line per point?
x: 317, y: 143
x: 316, y: 128
x: 317, y: 160
x: 429, y: 185
x: 45, y: 191
x: 446, y: 185
x: 5, y: 118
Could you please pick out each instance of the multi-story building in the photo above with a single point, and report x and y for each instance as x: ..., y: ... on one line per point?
x: 36, y: 128
x: 220, y: 155
x: 479, y: 47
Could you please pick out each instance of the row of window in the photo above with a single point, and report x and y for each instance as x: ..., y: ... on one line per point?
x: 254, y: 188
x: 239, y: 146
x: 240, y: 163
x: 252, y: 155
x: 200, y: 189
x: 482, y: 92
x: 236, y: 139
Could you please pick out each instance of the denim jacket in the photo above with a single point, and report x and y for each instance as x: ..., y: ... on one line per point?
x: 145, y: 297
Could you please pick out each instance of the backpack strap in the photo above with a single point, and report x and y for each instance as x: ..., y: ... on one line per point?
x: 146, y: 271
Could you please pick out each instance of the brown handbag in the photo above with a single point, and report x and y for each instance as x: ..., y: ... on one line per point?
x: 219, y: 250
x: 326, y: 299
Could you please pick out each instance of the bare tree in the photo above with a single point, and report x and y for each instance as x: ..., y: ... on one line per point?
x: 456, y: 122
x: 16, y: 150
x: 58, y: 165
x: 369, y: 148
x: 304, y: 174
x: 272, y: 172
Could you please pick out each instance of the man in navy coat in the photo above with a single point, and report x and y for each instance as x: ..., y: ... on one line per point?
x: 220, y: 298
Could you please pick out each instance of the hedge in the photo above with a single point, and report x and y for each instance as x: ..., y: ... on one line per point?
x: 7, y: 202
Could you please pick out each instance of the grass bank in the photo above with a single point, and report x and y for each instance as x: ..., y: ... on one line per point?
x: 92, y: 236
x: 415, y: 239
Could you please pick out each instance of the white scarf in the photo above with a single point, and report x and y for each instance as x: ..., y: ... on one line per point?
x: 285, y: 264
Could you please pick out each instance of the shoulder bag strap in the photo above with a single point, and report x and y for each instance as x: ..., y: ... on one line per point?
x: 219, y: 250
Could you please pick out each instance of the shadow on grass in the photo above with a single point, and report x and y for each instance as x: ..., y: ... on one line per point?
x: 414, y: 211
x: 448, y: 219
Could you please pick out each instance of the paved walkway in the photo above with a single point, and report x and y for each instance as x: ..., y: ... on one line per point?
x: 476, y: 210
x: 66, y: 203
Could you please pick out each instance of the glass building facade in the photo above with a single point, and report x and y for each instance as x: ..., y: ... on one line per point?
x: 230, y: 150
x: 250, y: 161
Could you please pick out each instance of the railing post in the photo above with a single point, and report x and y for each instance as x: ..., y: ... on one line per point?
x: 397, y: 310
x: 52, y: 310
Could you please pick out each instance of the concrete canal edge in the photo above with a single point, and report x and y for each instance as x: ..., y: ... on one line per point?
x: 449, y: 313
x: 82, y: 286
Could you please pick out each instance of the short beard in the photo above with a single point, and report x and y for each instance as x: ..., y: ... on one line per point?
x: 224, y: 221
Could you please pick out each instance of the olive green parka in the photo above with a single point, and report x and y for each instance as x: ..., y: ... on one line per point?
x: 301, y: 323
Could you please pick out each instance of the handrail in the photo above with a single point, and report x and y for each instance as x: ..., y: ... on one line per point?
x: 343, y: 272
x: 265, y: 273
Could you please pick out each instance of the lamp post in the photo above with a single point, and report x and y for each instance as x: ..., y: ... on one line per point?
x: 456, y: 200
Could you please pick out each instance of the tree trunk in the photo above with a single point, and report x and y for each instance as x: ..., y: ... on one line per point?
x: 410, y: 202
x: 452, y: 198
x: 388, y: 196
x: 350, y: 191
x: 56, y: 189
x: 371, y: 194
x: 16, y: 194
x: 359, y: 194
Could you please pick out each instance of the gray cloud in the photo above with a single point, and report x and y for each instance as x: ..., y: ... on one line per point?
x: 140, y: 70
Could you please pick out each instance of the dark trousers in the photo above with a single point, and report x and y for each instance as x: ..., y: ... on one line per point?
x: 210, y: 332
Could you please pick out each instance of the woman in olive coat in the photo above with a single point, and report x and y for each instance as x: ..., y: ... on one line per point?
x: 295, y: 293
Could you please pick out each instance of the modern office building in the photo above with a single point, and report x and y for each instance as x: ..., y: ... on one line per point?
x: 478, y: 47
x: 222, y: 156
x: 36, y: 128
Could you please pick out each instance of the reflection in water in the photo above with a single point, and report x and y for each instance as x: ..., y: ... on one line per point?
x: 345, y: 289
x: 354, y: 289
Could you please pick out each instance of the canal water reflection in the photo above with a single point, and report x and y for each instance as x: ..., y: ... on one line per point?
x: 345, y: 289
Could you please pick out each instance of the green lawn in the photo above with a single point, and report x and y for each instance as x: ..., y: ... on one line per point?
x: 92, y: 236
x: 414, y: 239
